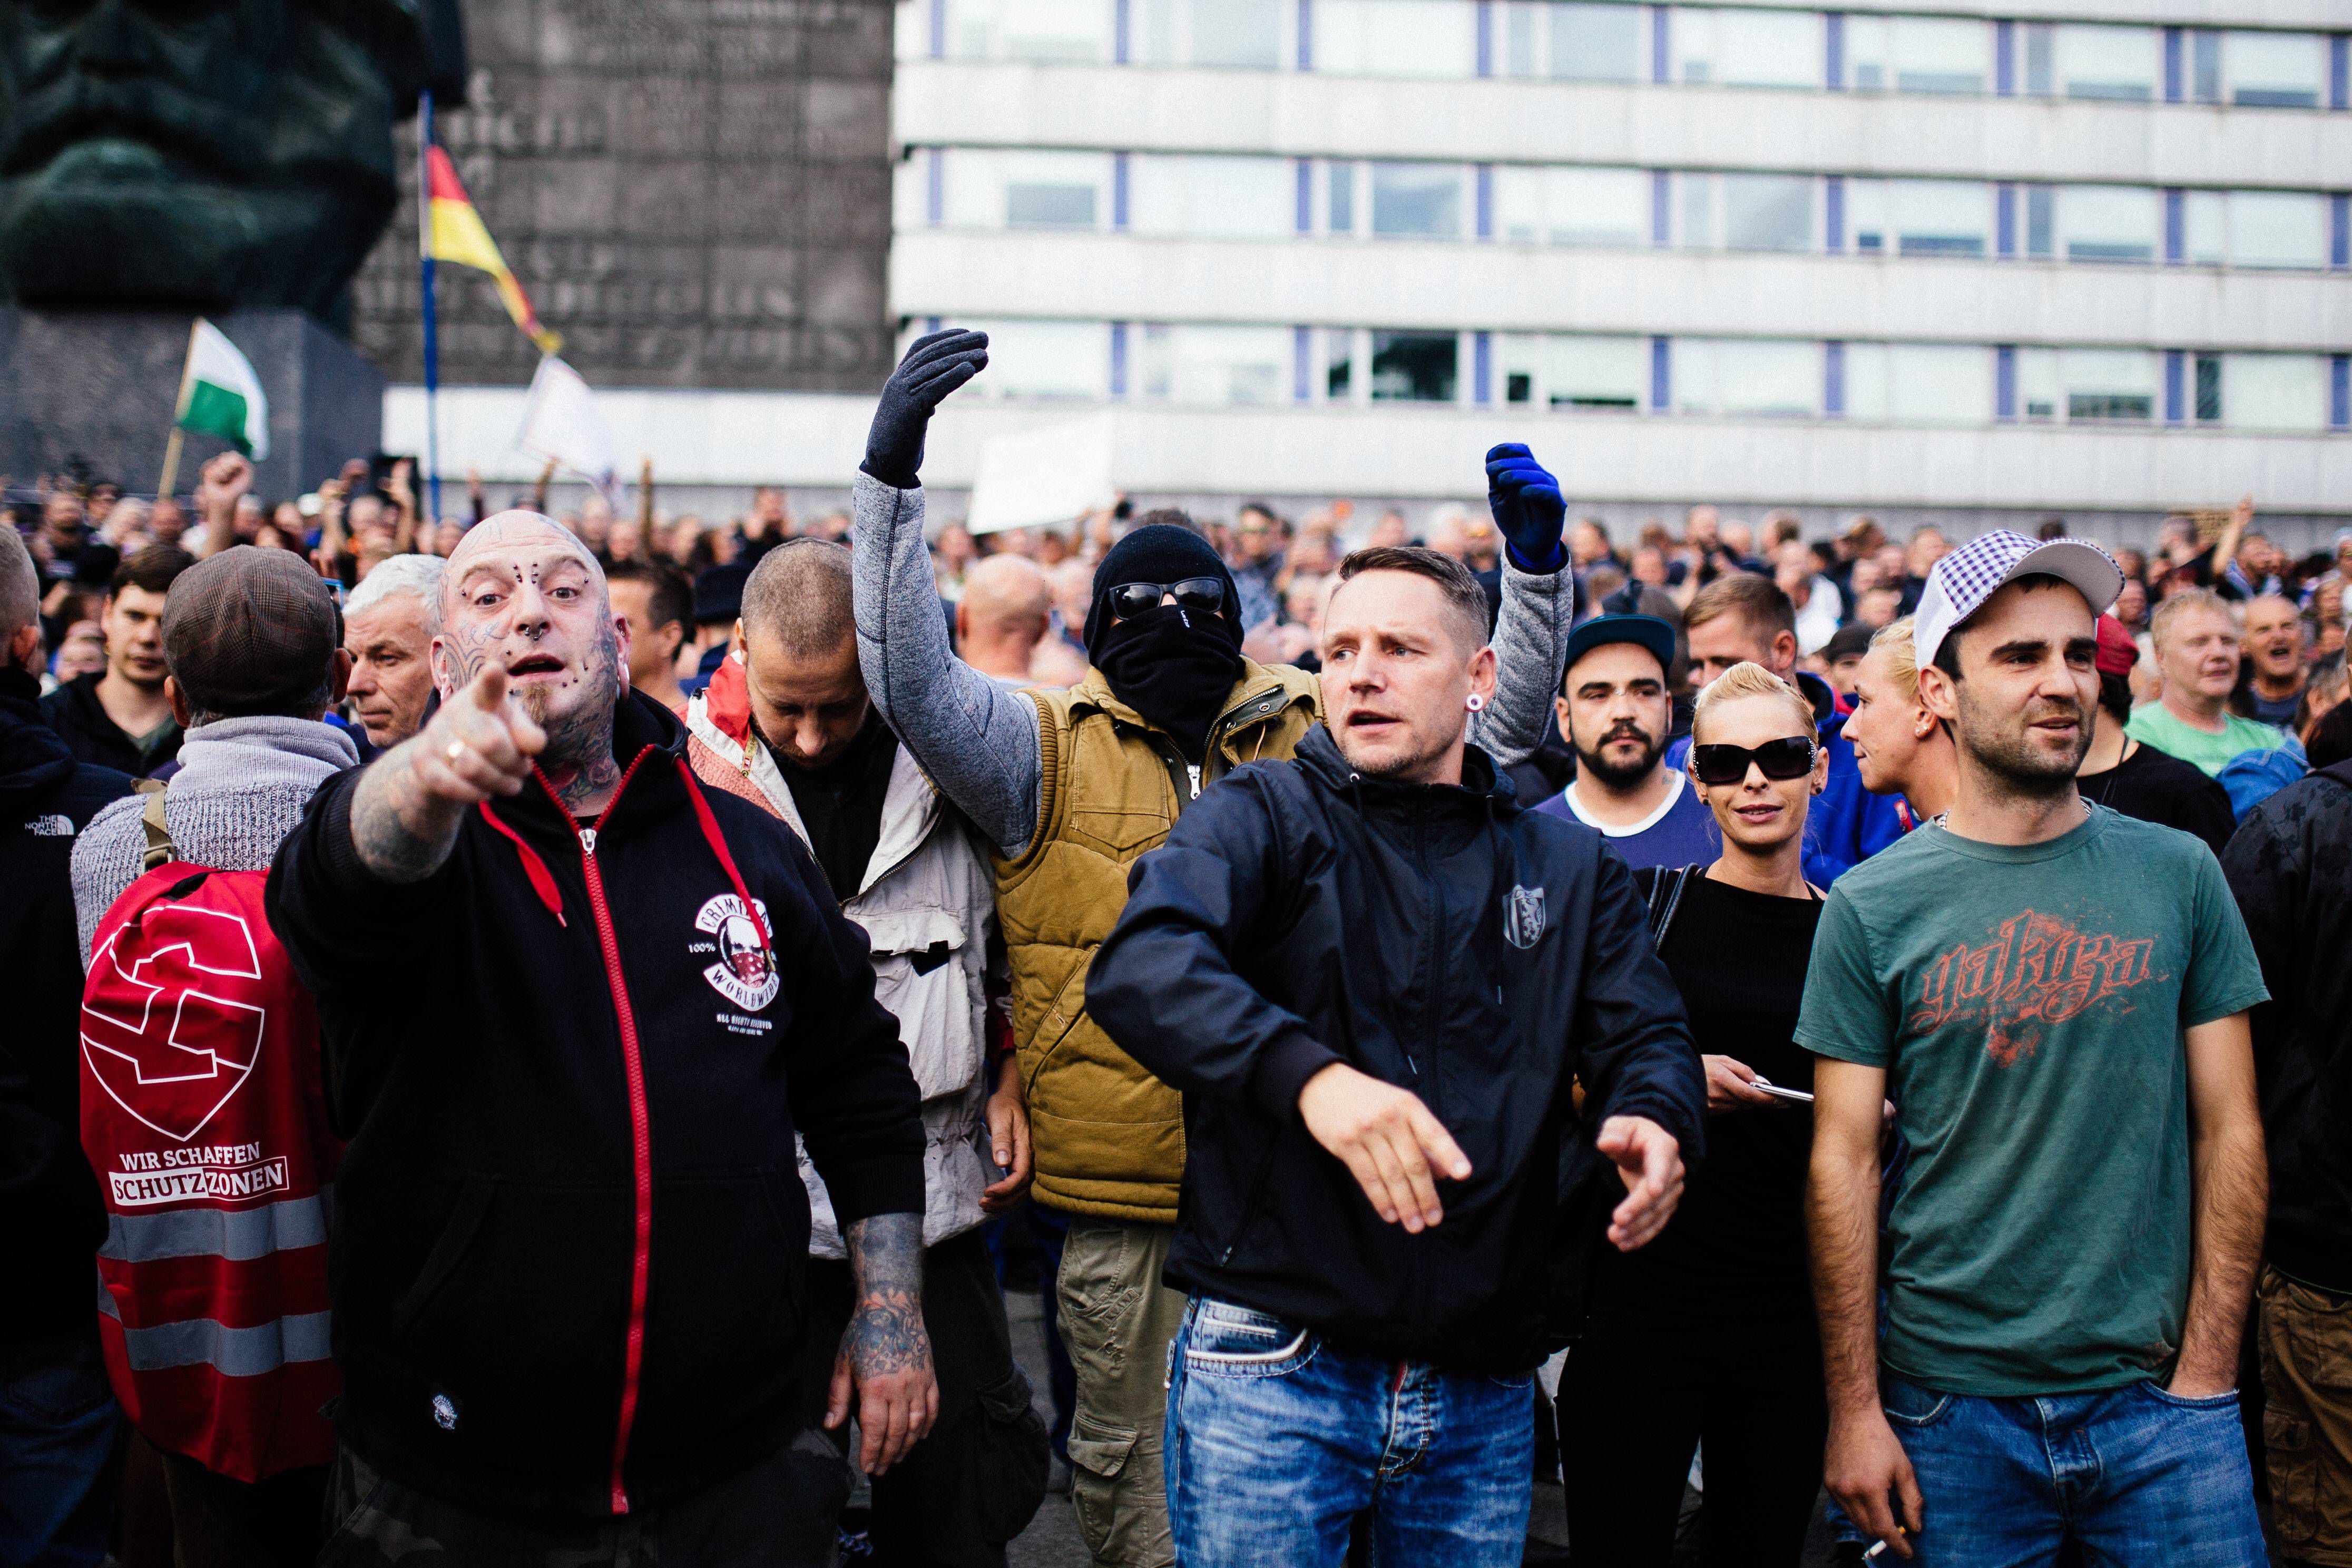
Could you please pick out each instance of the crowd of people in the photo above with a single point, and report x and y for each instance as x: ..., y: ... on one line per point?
x: 541, y: 1034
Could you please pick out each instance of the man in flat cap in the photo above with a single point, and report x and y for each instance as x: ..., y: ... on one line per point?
x: 254, y: 647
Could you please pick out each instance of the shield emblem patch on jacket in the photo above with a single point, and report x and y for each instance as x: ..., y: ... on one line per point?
x: 1523, y: 917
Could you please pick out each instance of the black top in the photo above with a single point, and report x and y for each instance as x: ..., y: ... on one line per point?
x: 1437, y: 938
x: 2156, y: 787
x: 1738, y: 1241
x: 494, y: 1214
x: 81, y: 721
x: 2291, y: 868
x: 841, y: 803
x: 54, y: 1220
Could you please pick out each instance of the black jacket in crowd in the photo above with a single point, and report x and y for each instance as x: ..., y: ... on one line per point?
x: 51, y: 1221
x: 1437, y: 938
x: 520, y: 1175
x: 2290, y: 866
x: 81, y: 721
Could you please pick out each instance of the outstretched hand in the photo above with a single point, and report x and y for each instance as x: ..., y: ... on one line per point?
x: 936, y: 365
x: 1650, y: 1162
x: 1388, y: 1139
x: 1528, y: 507
x: 478, y: 744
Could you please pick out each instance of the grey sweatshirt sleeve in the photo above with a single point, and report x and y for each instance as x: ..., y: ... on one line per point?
x: 1531, y: 649
x: 977, y: 742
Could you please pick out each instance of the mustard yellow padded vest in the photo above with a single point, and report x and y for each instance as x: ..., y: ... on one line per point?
x: 1108, y: 1138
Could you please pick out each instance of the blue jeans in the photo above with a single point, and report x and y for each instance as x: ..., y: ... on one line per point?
x: 1276, y: 1439
x: 60, y: 1452
x: 2131, y: 1476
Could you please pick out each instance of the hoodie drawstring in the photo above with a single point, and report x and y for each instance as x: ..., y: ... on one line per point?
x: 718, y: 843
x: 542, y: 880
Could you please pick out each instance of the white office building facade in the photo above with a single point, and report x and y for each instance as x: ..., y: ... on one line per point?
x: 1976, y: 264
x: 2081, y: 259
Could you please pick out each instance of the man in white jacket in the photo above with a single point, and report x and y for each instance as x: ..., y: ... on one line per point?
x: 786, y: 724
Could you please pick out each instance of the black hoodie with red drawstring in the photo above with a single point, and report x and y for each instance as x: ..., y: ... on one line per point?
x: 569, y: 1232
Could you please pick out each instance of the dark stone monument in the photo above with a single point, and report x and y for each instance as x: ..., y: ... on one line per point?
x: 229, y: 157
x: 99, y: 386
x: 693, y: 193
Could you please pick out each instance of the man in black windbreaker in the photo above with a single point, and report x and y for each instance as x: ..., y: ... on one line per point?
x: 1371, y: 974
x: 567, y: 1254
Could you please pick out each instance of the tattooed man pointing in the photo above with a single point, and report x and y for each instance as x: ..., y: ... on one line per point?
x: 575, y: 1010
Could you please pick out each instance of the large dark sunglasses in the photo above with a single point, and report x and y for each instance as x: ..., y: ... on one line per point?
x: 1786, y: 759
x: 1206, y: 594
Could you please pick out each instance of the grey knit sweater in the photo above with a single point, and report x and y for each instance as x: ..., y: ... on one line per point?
x: 241, y: 788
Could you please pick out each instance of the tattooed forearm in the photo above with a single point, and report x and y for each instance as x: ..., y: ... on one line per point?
x: 885, y: 1334
x: 402, y: 832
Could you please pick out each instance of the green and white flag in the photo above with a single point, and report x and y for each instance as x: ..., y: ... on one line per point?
x: 220, y: 395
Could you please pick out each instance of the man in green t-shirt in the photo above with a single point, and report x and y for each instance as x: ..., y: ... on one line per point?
x: 2054, y: 998
x: 2197, y: 651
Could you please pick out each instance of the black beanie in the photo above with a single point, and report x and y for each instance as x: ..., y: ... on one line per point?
x: 1156, y: 553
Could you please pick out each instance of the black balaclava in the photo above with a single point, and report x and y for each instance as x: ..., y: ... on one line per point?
x: 1176, y: 667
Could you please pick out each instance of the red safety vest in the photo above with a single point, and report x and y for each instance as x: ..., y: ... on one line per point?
x: 204, y: 1116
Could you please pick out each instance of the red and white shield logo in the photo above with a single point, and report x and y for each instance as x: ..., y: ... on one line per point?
x: 167, y: 1034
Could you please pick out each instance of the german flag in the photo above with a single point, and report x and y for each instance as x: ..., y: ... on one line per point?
x: 454, y: 232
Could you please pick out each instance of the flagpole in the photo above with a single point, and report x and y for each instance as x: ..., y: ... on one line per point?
x: 179, y: 406
x: 431, y: 337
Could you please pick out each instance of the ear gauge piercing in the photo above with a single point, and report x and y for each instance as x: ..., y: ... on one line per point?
x: 1476, y: 702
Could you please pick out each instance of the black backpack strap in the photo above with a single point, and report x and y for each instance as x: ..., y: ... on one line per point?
x: 1663, y: 887
x: 160, y: 851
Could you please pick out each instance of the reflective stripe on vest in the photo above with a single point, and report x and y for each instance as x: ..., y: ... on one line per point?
x: 237, y: 1235
x: 232, y: 1353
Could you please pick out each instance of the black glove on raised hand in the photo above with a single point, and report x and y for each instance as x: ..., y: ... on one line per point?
x: 937, y: 363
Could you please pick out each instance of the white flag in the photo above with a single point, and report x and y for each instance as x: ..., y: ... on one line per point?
x: 560, y: 423
x: 220, y: 395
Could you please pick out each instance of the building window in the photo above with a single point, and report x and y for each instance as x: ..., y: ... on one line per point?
x: 2040, y: 59
x: 1919, y: 383
x: 2275, y: 71
x: 1778, y: 378
x: 1395, y: 37
x: 2205, y: 67
x: 1593, y: 43
x: 2277, y: 229
x: 1050, y: 31
x: 1919, y: 54
x: 2111, y: 223
x: 1028, y: 205
x: 2108, y: 385
x: 1232, y: 34
x: 1417, y: 201
x: 1030, y: 359
x: 1216, y: 365
x: 1214, y: 196
x: 1338, y: 364
x: 2096, y: 60
x: 1572, y: 206
x: 1747, y: 47
x: 1343, y: 198
x: 1767, y: 212
x: 1011, y: 188
x: 1595, y: 373
x: 1413, y: 367
x: 2271, y: 392
x: 1939, y: 218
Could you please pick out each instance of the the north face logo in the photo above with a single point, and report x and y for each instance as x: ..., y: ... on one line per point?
x: 1523, y: 917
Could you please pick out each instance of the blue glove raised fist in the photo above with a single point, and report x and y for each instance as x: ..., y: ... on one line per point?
x: 936, y: 365
x: 1528, y: 508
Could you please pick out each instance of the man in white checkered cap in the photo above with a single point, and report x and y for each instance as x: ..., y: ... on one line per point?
x: 2055, y: 997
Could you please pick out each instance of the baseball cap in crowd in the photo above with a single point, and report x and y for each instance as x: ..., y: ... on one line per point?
x: 250, y: 631
x: 718, y: 592
x: 2118, y: 651
x: 1962, y: 581
x: 1643, y: 631
x: 1849, y: 641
